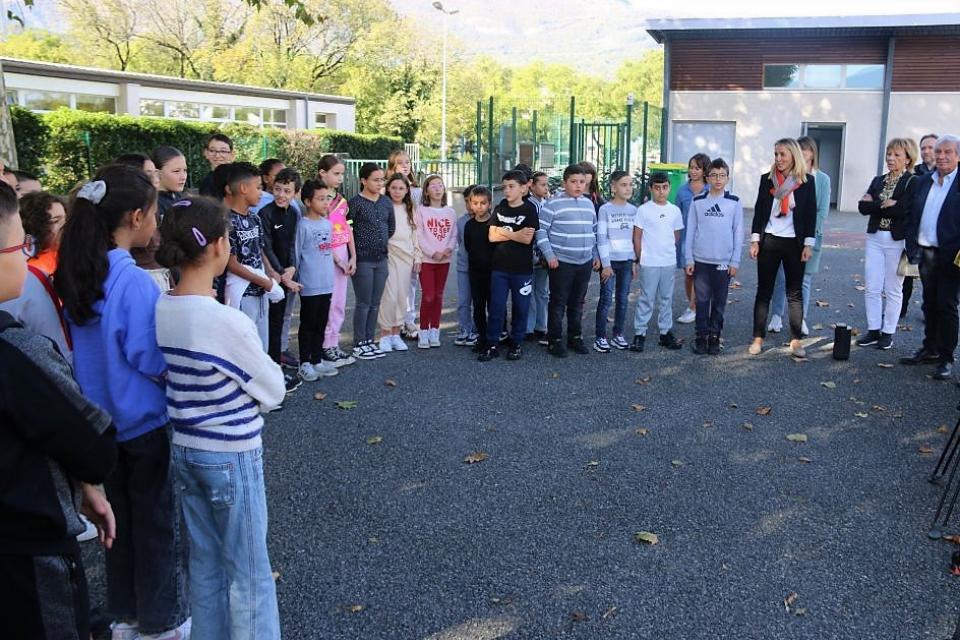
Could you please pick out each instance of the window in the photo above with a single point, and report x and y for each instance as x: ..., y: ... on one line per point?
x: 255, y: 116
x: 183, y: 110
x: 104, y: 104
x: 151, y: 108
x: 823, y: 76
x: 12, y: 97
x: 248, y: 115
x: 321, y: 120
x: 275, y: 117
x: 45, y: 100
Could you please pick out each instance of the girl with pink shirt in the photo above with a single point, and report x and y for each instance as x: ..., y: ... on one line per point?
x: 437, y: 235
x: 330, y: 171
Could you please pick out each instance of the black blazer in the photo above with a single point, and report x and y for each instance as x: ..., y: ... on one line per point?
x: 902, y: 193
x: 804, y: 214
x: 948, y: 223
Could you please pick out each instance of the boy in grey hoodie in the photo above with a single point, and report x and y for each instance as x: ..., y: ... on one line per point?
x: 712, y: 252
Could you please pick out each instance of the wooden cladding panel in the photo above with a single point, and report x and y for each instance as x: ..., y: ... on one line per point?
x: 718, y: 64
x: 927, y: 63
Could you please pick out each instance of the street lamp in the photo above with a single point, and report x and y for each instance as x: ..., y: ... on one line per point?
x: 443, y: 100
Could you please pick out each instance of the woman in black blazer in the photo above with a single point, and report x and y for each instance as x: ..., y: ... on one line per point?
x: 887, y: 202
x: 783, y: 232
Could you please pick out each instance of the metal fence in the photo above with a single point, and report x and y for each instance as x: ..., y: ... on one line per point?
x: 455, y: 174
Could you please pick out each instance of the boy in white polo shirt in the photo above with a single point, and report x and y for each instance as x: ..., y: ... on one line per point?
x: 655, y: 235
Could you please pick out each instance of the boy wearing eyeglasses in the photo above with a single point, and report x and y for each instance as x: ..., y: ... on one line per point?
x: 712, y: 253
x: 217, y: 151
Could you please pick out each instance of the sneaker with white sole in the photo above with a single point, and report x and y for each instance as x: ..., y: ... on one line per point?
x: 776, y: 324
x: 398, y: 344
x: 619, y: 342
x: 601, y: 345
x: 688, y: 316
x: 124, y: 631
x: 386, y: 344
x: 472, y: 340
x: 325, y: 369
x: 461, y: 340
x: 345, y: 357
x: 423, y: 339
x: 375, y: 349
x: 363, y: 351
x: 307, y: 372
x: 435, y: 337
x: 291, y: 382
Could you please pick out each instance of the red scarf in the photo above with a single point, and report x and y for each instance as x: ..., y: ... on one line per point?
x: 783, y: 187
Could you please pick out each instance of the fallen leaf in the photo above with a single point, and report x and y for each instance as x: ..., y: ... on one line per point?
x: 355, y: 608
x: 346, y: 404
x: 747, y: 426
x: 942, y: 429
x: 829, y: 384
x: 506, y: 600
x: 851, y: 305
x: 609, y: 612
x: 578, y: 616
x: 373, y: 540
x: 276, y: 575
x: 925, y: 449
x: 736, y: 284
x: 862, y: 414
x: 677, y: 463
x: 733, y: 405
x: 638, y: 407
x: 799, y: 611
x: 374, y: 440
x: 951, y: 539
x: 789, y: 600
x: 642, y: 432
x: 804, y: 459
x: 856, y: 381
x: 593, y: 464
x: 763, y: 411
x: 822, y: 303
x: 797, y: 437
x: 885, y: 365
x: 646, y: 537
x: 475, y: 457
x: 555, y: 375
x: 853, y: 332
x: 390, y: 382
x: 879, y: 408
x: 644, y: 380
x: 319, y: 395
x: 707, y: 424
x: 817, y: 327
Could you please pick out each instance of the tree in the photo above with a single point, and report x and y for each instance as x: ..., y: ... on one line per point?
x: 107, y: 28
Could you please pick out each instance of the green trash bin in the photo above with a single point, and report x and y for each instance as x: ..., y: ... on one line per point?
x: 676, y: 172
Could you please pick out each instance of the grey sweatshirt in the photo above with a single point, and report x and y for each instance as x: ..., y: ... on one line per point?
x: 568, y: 230
x: 714, y: 230
x: 313, y: 256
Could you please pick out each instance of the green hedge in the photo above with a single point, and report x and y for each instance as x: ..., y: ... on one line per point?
x: 65, y: 146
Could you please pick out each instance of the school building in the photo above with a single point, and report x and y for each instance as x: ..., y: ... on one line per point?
x: 732, y: 87
x: 46, y: 86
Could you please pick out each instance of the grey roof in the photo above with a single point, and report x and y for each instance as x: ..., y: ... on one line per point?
x: 73, y: 72
x: 923, y: 22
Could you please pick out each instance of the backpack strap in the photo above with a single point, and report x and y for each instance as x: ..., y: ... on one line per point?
x: 47, y: 283
x: 7, y: 321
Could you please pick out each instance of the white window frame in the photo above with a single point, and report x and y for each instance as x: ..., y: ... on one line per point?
x: 802, y: 76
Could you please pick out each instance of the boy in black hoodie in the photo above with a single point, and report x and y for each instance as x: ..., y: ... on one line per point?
x: 52, y: 441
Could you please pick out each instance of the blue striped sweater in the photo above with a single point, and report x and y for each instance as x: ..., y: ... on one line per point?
x: 568, y: 230
x: 218, y: 375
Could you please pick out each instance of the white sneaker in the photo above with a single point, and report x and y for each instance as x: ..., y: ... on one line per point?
x: 398, y: 344
x: 435, y: 337
x: 124, y: 631
x: 307, y: 372
x: 386, y: 344
x: 423, y: 339
x: 364, y: 351
x: 324, y: 370
x: 688, y: 316
x: 803, y: 328
x: 776, y: 324
x: 90, y: 531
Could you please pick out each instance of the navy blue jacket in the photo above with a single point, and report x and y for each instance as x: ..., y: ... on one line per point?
x: 948, y: 223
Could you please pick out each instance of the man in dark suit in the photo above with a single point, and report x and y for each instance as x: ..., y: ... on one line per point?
x: 933, y: 240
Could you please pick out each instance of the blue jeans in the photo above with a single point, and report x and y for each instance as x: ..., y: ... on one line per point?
x: 619, y: 282
x: 711, y: 286
x: 225, y: 506
x: 537, y: 316
x: 779, y: 301
x: 656, y: 287
x: 464, y: 305
x: 520, y: 288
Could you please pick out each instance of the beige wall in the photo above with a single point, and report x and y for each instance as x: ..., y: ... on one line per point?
x: 764, y: 116
x: 914, y: 114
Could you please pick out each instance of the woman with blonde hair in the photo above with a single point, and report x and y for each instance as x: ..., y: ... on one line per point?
x: 403, y: 264
x: 887, y: 202
x: 783, y: 234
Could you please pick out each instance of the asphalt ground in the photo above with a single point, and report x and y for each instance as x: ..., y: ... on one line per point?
x: 381, y: 530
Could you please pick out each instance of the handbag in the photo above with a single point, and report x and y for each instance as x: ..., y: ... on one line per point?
x: 905, y: 269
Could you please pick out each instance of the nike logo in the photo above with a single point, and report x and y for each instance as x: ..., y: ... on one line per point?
x: 527, y: 288
x: 278, y: 226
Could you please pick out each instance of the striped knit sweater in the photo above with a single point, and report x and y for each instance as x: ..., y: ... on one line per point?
x: 218, y: 375
x: 568, y: 230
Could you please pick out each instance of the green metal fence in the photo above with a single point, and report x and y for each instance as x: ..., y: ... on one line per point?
x: 455, y: 174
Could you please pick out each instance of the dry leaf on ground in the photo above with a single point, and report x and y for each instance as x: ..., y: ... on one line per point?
x: 390, y: 382
x: 646, y: 537
x: 475, y: 457
x: 609, y: 612
x: 925, y: 449
x: 642, y: 432
x: 790, y: 600
x: 578, y: 616
x: 804, y: 459
x: 593, y: 464
x: 748, y: 426
x: 355, y: 608
x: 829, y: 384
x: 764, y: 411
x: 347, y: 404
x: 374, y: 439
x: 677, y: 463
x: 942, y: 429
x: 885, y: 365
x: 862, y: 414
x: 822, y: 303
x: 707, y: 424
x: 644, y: 380
x: 555, y: 375
x: 638, y: 407
x: 797, y: 437
x: 319, y: 395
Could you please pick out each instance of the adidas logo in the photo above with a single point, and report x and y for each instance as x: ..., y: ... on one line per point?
x: 714, y: 211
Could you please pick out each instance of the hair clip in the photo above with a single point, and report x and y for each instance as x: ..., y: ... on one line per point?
x: 182, y: 203
x: 93, y: 191
x: 201, y: 239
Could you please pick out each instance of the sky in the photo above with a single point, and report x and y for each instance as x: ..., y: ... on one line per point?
x: 600, y: 34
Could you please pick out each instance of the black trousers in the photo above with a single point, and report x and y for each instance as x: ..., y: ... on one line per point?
x: 941, y: 290
x: 568, y: 288
x: 314, y: 312
x: 480, y: 296
x: 775, y: 251
x: 275, y: 324
x: 907, y: 292
x: 147, y: 565
x: 44, y: 597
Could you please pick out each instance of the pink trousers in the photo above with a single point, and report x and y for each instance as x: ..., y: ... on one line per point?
x: 338, y: 303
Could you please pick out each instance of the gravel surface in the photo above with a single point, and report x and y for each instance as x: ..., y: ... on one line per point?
x: 403, y: 539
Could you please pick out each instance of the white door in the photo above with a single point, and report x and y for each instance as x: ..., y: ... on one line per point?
x: 716, y: 139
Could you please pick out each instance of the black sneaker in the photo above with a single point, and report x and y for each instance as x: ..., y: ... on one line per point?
x: 638, y: 343
x: 541, y: 338
x: 921, y: 356
x: 557, y: 349
x: 576, y: 345
x: 872, y: 337
x: 515, y: 352
x: 291, y: 383
x: 489, y: 354
x: 480, y: 347
x: 885, y: 342
x: 670, y: 341
x: 700, y: 345
x: 713, y: 345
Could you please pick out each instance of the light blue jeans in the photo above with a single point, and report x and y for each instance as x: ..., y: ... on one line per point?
x: 540, y: 302
x: 779, y: 301
x: 656, y: 287
x: 464, y: 305
x: 232, y: 592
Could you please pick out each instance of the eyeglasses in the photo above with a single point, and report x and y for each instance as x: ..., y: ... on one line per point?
x: 219, y: 152
x: 28, y: 247
x: 716, y: 176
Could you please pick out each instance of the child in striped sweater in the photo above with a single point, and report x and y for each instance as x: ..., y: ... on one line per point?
x: 219, y: 380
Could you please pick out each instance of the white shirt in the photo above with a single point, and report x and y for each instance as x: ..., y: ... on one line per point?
x: 658, y: 223
x: 927, y: 235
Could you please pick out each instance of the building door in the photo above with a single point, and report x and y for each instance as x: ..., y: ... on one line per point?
x: 716, y: 139
x: 829, y: 139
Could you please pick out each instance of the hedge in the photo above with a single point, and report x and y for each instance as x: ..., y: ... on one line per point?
x: 65, y: 146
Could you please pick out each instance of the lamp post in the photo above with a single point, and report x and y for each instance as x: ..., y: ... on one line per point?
x: 443, y: 100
